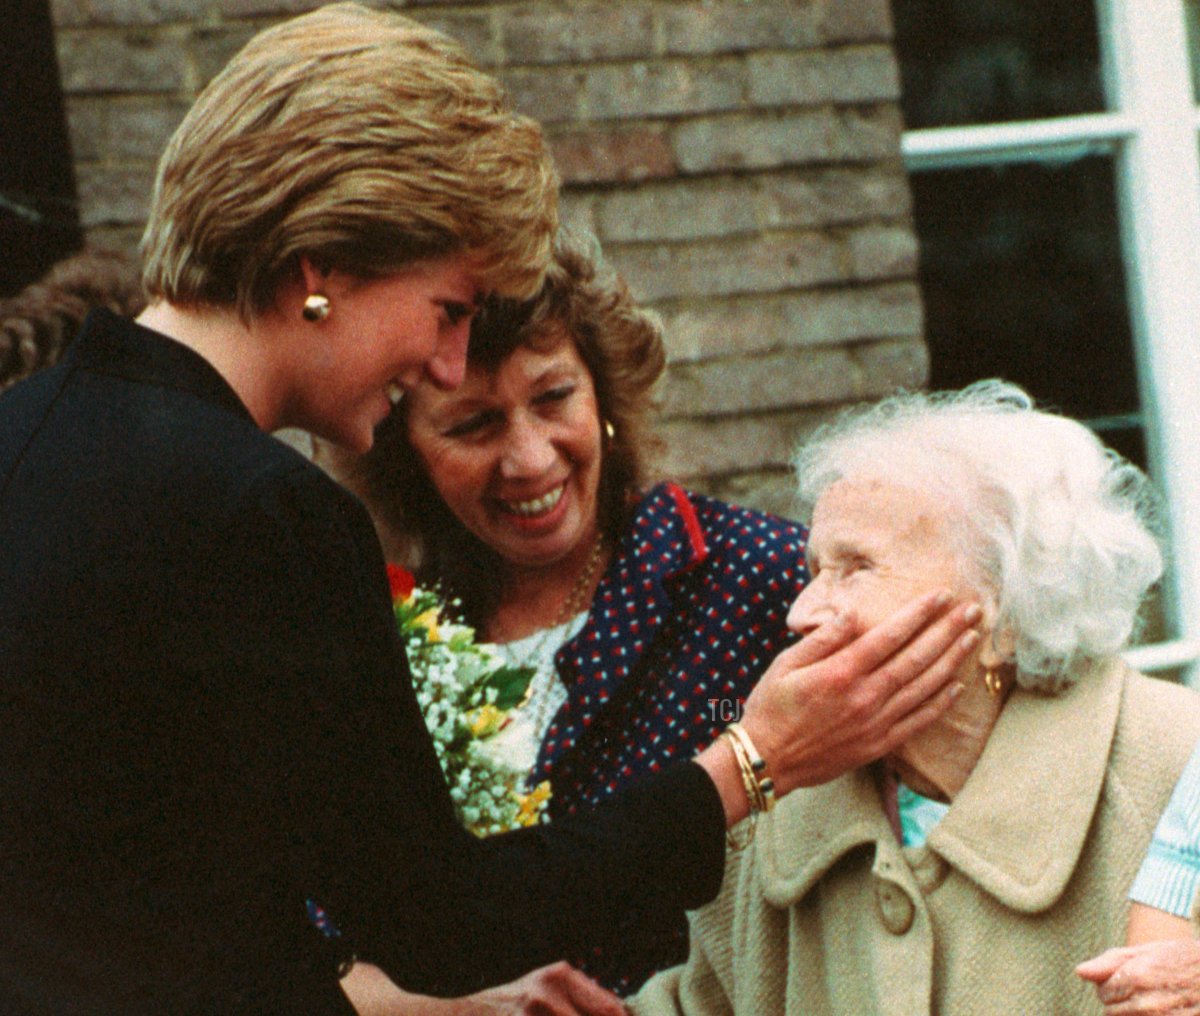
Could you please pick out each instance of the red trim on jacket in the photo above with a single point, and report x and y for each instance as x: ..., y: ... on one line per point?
x: 687, y: 512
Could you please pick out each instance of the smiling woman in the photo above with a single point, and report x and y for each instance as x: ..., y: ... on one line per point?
x: 537, y: 456
x: 515, y: 455
x: 648, y: 613
x: 379, y: 339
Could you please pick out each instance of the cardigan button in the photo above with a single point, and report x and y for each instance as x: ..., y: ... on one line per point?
x: 896, y: 910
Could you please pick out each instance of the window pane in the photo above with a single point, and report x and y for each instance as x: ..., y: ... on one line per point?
x: 986, y: 61
x: 1191, y: 11
x: 1022, y: 277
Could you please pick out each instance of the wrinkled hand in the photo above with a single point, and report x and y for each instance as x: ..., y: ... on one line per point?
x: 556, y: 990
x: 841, y: 697
x: 1161, y: 978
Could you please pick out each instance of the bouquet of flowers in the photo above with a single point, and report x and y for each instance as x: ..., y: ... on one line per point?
x: 466, y: 691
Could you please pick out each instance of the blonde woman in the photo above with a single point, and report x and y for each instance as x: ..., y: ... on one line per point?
x: 205, y: 703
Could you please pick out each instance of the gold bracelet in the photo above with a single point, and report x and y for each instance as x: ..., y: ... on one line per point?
x: 748, y: 825
x: 749, y: 782
x: 757, y: 764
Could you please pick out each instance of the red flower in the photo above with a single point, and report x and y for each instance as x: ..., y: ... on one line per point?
x: 401, y: 582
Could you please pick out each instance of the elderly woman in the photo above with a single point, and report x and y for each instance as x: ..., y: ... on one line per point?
x: 971, y: 869
x: 206, y: 708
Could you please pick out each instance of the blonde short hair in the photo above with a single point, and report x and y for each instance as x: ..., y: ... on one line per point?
x: 360, y: 139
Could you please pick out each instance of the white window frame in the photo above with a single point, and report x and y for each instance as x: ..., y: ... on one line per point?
x: 1151, y: 133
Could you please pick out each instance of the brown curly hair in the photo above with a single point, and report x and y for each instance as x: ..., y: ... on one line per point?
x: 37, y: 323
x: 622, y: 347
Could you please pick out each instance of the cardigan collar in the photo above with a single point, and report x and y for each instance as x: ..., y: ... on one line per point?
x: 110, y: 344
x: 1016, y: 829
x: 663, y: 541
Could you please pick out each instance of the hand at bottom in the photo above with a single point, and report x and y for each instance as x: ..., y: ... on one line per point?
x: 1160, y: 978
x: 555, y: 990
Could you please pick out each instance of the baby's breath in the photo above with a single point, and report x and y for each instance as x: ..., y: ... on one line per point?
x: 465, y: 691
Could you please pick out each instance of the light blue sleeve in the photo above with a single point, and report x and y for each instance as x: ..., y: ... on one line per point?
x: 1170, y: 873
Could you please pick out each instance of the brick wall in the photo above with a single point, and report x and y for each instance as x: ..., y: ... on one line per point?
x: 738, y: 159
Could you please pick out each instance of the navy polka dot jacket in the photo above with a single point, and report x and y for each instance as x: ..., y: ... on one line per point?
x: 690, y: 612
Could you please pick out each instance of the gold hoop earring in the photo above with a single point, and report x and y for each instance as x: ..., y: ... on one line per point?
x: 316, y: 307
x: 993, y: 681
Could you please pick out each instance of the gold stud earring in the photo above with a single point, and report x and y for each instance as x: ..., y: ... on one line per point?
x: 993, y: 681
x: 316, y: 307
x: 609, y: 430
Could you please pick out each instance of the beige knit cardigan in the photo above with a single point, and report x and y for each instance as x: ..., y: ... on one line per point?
x: 1025, y: 876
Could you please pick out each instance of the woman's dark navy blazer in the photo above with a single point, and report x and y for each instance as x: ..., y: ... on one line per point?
x: 205, y: 717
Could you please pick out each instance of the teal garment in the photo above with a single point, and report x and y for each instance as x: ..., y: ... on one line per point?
x: 1171, y: 871
x: 918, y: 815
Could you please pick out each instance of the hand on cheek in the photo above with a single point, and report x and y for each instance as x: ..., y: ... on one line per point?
x: 844, y: 696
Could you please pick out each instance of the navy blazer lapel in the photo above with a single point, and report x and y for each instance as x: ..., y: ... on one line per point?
x: 630, y: 605
x: 108, y: 344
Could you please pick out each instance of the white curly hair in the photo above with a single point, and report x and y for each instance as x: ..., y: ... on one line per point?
x: 1058, y: 530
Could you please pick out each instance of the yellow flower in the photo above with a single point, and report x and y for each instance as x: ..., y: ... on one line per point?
x: 531, y: 804
x: 486, y: 720
x: 429, y: 621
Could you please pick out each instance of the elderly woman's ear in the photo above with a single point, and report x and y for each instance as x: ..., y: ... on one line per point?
x: 997, y: 652
x: 999, y: 646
